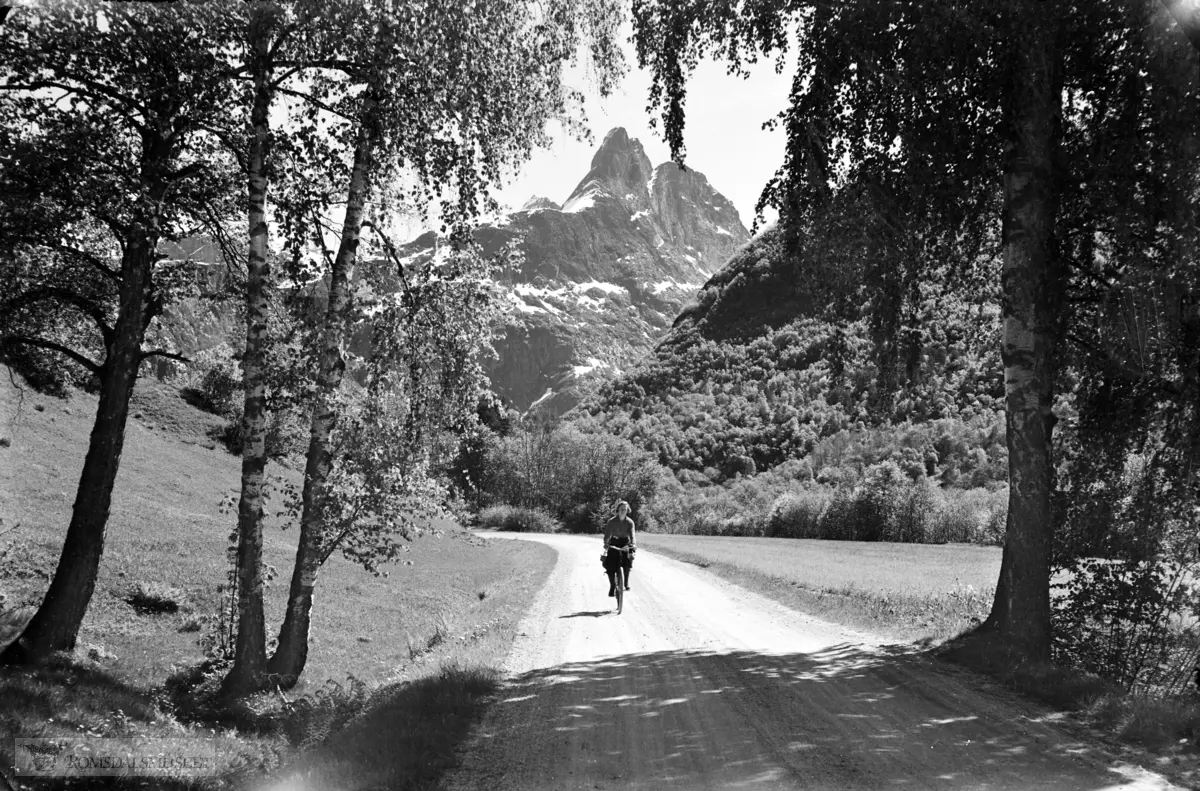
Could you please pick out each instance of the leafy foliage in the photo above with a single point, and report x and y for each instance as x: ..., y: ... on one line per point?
x: 518, y: 520
x: 83, y: 129
x: 883, y: 504
x: 725, y: 394
x: 917, y: 114
x: 1127, y: 546
x: 423, y: 103
x: 314, y: 718
x: 1119, y: 620
x: 578, y: 477
x: 421, y: 377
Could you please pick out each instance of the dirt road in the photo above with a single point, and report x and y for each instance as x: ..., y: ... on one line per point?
x: 700, y: 684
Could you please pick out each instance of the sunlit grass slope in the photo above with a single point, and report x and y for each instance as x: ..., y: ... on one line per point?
x: 449, y: 609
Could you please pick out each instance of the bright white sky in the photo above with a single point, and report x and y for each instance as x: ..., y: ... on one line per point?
x: 723, y: 136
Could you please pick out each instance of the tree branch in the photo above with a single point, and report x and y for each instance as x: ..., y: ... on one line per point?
x: 124, y: 108
x: 184, y: 172
x: 391, y: 253
x: 234, y: 146
x: 337, y: 541
x: 78, y: 301
x: 119, y: 229
x: 165, y: 353
x: 87, y: 257
x: 229, y: 253
x: 54, y: 347
x: 315, y: 102
x: 348, y: 67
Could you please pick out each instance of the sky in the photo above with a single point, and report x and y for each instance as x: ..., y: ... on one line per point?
x: 723, y: 135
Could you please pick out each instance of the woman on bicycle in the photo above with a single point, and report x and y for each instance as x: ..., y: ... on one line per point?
x: 618, y: 532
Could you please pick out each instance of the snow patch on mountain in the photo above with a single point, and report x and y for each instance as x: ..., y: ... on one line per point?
x: 608, y: 288
x: 581, y: 203
x: 592, y: 364
x: 603, y: 274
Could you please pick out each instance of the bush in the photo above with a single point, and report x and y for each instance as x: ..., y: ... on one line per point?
x: 737, y: 508
x: 1119, y: 619
x: 154, y: 597
x: 314, y: 718
x: 887, y: 503
x: 572, y: 475
x: 518, y: 520
x: 916, y: 514
x: 287, y: 433
x: 957, y: 521
x: 971, y: 516
x: 214, y: 381
x: 996, y: 524
x: 797, y: 514
x: 230, y: 434
x: 839, y: 520
x: 877, y: 501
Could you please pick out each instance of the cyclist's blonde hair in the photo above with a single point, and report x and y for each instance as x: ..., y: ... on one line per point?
x: 622, y: 503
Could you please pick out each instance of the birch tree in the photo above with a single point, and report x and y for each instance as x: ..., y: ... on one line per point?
x: 970, y: 126
x: 450, y: 96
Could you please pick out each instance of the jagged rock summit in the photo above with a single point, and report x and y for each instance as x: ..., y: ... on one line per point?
x: 604, y: 274
x: 619, y: 167
x: 535, y: 203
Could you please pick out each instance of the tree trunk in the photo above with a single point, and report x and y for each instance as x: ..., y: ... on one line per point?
x: 56, y: 623
x: 248, y: 673
x: 1032, y: 285
x: 291, y: 653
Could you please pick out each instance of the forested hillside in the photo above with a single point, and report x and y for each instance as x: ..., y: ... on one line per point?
x: 765, y: 365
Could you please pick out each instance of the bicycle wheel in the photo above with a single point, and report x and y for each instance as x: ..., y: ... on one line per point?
x: 620, y: 578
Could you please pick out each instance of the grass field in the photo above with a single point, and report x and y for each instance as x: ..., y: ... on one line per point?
x: 407, y: 659
x: 441, y: 619
x: 907, y: 591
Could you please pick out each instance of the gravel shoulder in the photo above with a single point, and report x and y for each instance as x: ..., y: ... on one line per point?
x: 700, y: 684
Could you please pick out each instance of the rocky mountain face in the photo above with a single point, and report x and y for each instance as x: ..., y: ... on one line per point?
x: 605, y: 273
x: 604, y: 276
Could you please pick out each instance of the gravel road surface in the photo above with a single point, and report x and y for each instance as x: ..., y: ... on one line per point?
x: 700, y: 684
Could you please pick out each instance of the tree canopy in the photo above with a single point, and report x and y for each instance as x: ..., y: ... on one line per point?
x: 1056, y: 137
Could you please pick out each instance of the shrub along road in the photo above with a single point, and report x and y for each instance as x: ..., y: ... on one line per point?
x: 702, y: 684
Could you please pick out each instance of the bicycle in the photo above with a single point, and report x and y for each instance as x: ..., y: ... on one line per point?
x: 619, y: 576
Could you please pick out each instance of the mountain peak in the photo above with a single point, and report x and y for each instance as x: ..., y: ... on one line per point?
x: 619, y: 167
x: 602, y: 276
x: 538, y: 202
x: 617, y: 139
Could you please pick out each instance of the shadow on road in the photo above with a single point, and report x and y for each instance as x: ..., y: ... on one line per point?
x: 591, y: 614
x: 846, y: 717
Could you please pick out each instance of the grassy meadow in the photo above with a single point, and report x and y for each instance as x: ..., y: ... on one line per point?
x: 919, y: 592
x: 429, y: 634
x: 399, y: 666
